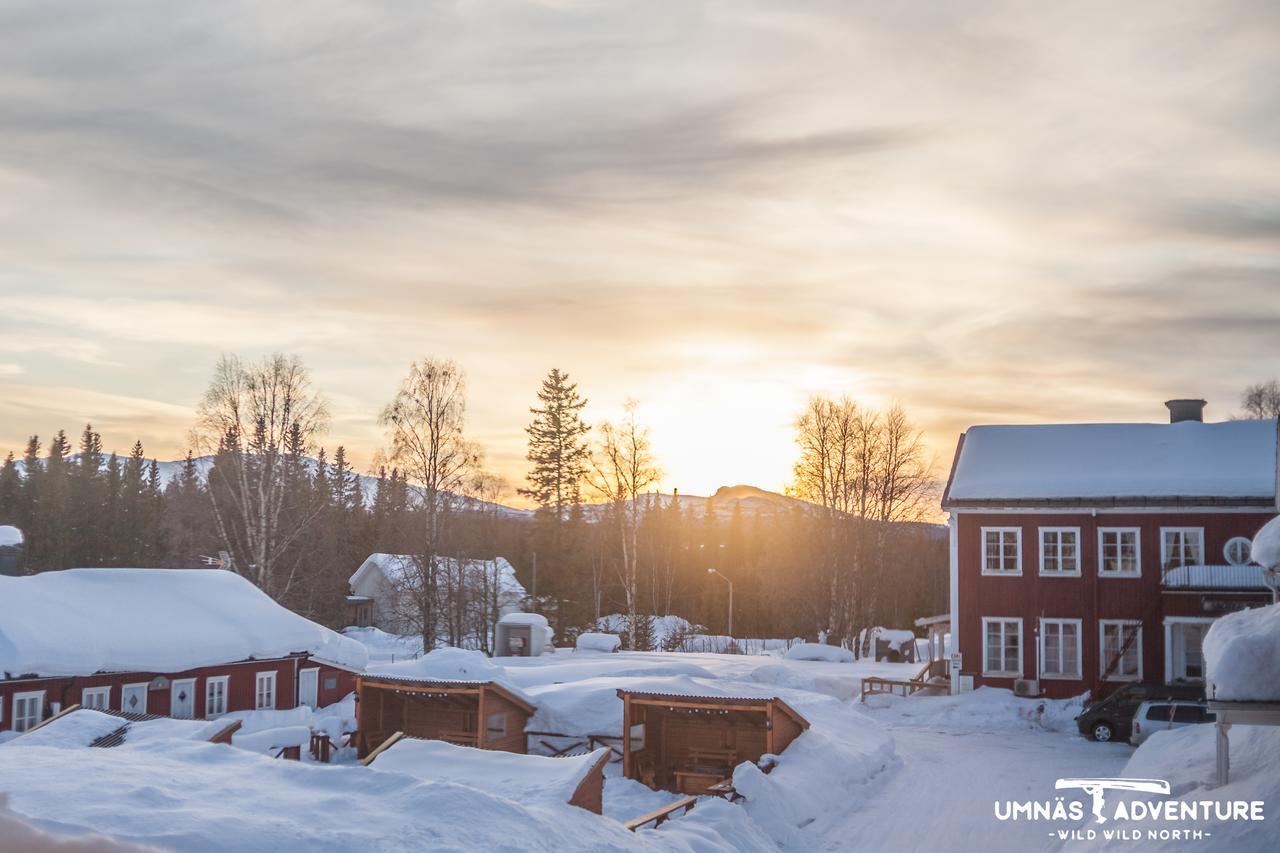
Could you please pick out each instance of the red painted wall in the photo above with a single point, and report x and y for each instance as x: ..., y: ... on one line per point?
x: 240, y: 692
x: 1088, y: 597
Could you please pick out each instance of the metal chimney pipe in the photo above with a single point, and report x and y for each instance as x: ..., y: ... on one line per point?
x: 1185, y: 410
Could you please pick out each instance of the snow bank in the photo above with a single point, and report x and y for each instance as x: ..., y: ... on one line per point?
x: 819, y: 652
x: 83, y: 621
x: 595, y: 642
x: 333, y: 720
x: 1265, y: 550
x: 1242, y: 655
x: 987, y: 708
x: 523, y: 778
x: 382, y: 646
x: 444, y: 664
x: 273, y: 740
x: 17, y: 834
x: 75, y: 730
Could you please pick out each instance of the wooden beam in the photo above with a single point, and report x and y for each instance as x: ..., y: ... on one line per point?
x: 224, y: 734
x: 659, y: 816
x: 702, y: 706
x: 57, y: 716
x: 386, y: 744
x: 628, y: 762
x: 482, y: 723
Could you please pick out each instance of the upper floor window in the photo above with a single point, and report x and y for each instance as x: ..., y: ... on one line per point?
x: 1181, y: 546
x: 1119, y: 551
x: 1059, y: 550
x: 1002, y: 550
x: 1238, y: 551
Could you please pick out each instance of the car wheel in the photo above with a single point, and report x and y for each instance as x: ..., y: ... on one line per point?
x: 1102, y: 732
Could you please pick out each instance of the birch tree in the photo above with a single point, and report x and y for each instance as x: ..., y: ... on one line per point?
x: 253, y: 414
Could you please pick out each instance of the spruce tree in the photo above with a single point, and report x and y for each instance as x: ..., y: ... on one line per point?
x: 557, y: 445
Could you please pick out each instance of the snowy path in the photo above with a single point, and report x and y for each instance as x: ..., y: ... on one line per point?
x: 940, y: 796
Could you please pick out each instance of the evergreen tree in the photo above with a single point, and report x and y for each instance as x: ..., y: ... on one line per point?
x: 557, y: 445
x: 89, y: 533
x: 10, y: 491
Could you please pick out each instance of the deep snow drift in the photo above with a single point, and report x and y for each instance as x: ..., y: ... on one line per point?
x: 1242, y: 655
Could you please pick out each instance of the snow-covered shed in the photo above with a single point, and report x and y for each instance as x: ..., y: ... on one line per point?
x: 385, y: 580
x: 480, y: 713
x: 185, y: 643
x: 523, y: 635
x: 531, y: 779
x: 689, y: 743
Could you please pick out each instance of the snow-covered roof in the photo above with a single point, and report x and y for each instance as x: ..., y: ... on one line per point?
x: 1180, y: 463
x: 84, y: 621
x: 1265, y: 549
x: 401, y: 568
x: 1215, y: 577
x: 534, y: 779
x: 448, y: 665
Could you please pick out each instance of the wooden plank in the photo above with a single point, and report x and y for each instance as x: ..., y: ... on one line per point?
x: 659, y: 816
x: 57, y: 716
x: 224, y: 734
x: 386, y: 744
x: 628, y: 761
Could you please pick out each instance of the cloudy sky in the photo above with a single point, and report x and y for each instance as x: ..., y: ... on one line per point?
x: 993, y: 212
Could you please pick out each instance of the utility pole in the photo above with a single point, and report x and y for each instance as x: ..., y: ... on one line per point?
x: 730, y: 583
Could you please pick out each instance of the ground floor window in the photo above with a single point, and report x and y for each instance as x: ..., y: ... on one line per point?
x: 215, y: 696
x: 97, y: 698
x: 1060, y: 648
x: 28, y: 710
x: 265, y: 694
x: 1002, y: 646
x: 1184, y: 648
x: 1121, y: 644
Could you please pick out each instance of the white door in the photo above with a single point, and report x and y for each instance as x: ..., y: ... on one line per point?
x: 133, y: 699
x: 309, y: 687
x: 182, y: 699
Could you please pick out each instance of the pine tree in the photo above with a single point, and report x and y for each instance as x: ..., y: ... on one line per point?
x: 10, y: 491
x: 557, y: 445
x: 87, y: 498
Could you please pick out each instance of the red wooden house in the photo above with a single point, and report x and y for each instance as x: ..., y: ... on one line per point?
x: 1087, y: 555
x: 187, y: 643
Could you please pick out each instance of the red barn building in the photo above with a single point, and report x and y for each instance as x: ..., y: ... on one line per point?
x: 187, y: 643
x: 1087, y: 555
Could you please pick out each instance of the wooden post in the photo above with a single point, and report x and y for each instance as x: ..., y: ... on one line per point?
x: 482, y: 725
x: 1222, y: 745
x: 628, y: 763
x: 770, y: 712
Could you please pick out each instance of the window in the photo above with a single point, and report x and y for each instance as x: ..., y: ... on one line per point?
x: 215, y: 695
x: 265, y: 692
x: 495, y: 725
x: 1188, y: 713
x: 1060, y: 648
x: 1238, y: 551
x: 1117, y: 635
x: 1002, y: 647
x: 331, y: 682
x: 28, y: 710
x: 97, y: 698
x: 1002, y: 550
x: 1160, y: 713
x: 1181, y: 546
x: 1119, y: 552
x: 1059, y: 550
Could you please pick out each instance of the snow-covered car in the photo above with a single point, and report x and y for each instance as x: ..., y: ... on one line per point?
x: 1155, y: 717
x: 1109, y: 718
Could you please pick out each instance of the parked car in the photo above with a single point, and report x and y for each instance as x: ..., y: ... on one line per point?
x: 1110, y: 718
x: 1155, y: 717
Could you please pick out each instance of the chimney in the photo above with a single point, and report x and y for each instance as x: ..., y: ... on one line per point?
x: 1185, y: 410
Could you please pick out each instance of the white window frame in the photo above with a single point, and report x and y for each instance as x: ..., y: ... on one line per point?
x: 1059, y: 573
x: 225, y: 681
x: 1003, y: 673
x: 1226, y: 551
x: 1079, y: 673
x: 258, y: 694
x: 1169, y: 622
x: 1137, y: 552
x: 25, y: 720
x: 104, y: 692
x: 1103, y: 663
x: 146, y: 690
x: 1002, y: 573
x: 1164, y: 545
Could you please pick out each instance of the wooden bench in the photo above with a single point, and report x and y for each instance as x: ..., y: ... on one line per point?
x: 662, y: 815
x: 703, y: 768
x: 460, y: 738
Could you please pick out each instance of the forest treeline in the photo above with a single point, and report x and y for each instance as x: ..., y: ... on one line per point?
x: 844, y: 552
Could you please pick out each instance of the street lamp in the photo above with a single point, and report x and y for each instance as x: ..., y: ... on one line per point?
x: 730, y: 583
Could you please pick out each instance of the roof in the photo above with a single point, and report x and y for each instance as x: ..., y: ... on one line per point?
x: 85, y: 621
x: 925, y: 621
x: 761, y: 702
x: 514, y: 776
x: 512, y: 694
x: 1186, y: 463
x: 403, y: 567
x: 1215, y: 577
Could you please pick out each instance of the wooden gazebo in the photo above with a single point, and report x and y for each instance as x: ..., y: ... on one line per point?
x: 689, y: 743
x: 482, y: 714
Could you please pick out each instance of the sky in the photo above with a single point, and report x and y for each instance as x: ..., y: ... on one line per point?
x: 990, y: 212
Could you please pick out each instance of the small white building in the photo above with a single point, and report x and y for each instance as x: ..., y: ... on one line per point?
x: 523, y: 635
x: 383, y: 587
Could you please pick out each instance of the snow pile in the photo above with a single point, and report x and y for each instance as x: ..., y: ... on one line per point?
x: 1242, y: 655
x: 271, y: 741
x: 202, y: 798
x: 1265, y: 550
x: 77, y: 729
x: 19, y: 835
x: 1190, y: 459
x: 444, y: 664
x: 819, y: 652
x: 987, y: 709
x: 84, y: 621
x: 592, y: 641
x: 523, y: 778
x: 10, y: 535
x: 333, y: 720
x: 382, y: 646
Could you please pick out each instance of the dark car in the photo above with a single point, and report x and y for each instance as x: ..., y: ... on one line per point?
x: 1112, y: 718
